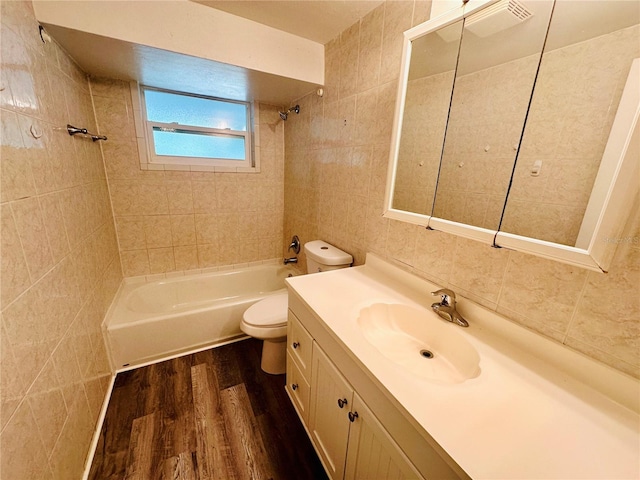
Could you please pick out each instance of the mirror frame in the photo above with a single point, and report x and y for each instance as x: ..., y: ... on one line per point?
x: 611, y: 198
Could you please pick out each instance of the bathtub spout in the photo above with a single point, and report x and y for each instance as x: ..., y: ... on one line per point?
x: 287, y: 261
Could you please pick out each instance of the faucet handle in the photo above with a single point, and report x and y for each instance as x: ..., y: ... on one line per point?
x: 294, y: 245
x: 448, y: 297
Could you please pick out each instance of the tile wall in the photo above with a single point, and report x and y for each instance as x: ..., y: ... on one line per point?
x: 337, y: 153
x: 174, y: 221
x: 60, y: 266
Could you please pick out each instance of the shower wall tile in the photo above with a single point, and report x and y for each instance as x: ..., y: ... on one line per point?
x: 59, y: 257
x: 334, y: 189
x: 167, y: 221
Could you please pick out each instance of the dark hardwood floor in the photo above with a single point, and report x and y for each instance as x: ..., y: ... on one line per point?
x: 209, y: 415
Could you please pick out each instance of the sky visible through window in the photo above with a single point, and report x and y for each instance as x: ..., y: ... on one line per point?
x: 167, y: 107
x: 186, y: 111
x: 191, y: 144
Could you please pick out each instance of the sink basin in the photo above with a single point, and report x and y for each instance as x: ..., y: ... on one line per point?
x: 420, y: 342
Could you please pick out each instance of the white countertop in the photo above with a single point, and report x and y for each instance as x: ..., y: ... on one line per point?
x: 522, y: 417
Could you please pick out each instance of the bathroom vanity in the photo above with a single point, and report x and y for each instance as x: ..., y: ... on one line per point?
x: 529, y: 409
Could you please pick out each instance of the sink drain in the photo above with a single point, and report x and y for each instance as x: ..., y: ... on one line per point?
x: 426, y: 353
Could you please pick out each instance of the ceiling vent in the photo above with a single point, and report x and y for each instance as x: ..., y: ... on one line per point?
x: 499, y: 16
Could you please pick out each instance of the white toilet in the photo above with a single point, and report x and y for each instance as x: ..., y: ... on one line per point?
x: 267, y: 319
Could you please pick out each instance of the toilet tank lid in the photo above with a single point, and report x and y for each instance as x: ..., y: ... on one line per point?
x: 326, y: 254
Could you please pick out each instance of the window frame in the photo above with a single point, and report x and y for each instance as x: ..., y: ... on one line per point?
x: 149, y: 160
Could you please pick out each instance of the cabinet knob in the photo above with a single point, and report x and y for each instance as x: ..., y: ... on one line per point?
x: 342, y: 402
x: 295, y: 344
x: 353, y: 416
x: 294, y: 386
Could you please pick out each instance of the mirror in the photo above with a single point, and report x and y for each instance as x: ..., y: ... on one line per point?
x: 494, y: 79
x: 431, y: 74
x: 587, y: 58
x: 540, y: 135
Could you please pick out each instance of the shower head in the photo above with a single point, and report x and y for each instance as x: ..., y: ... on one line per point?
x: 284, y: 115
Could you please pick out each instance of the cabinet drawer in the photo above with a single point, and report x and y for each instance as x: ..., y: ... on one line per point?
x: 298, y: 389
x: 299, y: 345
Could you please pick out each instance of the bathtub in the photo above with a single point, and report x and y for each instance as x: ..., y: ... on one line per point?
x: 150, y: 320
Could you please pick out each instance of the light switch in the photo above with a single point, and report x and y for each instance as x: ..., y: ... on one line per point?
x: 535, y: 169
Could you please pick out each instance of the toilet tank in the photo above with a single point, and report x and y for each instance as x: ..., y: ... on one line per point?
x: 322, y: 257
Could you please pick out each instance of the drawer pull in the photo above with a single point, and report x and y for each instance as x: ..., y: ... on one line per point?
x: 353, y: 416
x: 294, y: 386
x: 342, y: 402
x: 295, y: 344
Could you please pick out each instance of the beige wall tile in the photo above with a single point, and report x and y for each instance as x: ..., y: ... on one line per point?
x: 15, y: 274
x: 23, y: 453
x: 161, y: 260
x: 204, y: 196
x: 183, y: 230
x: 56, y: 221
x: 349, y: 45
x: 12, y: 388
x: 397, y: 19
x: 33, y: 236
x: 49, y: 408
x: 54, y: 226
x: 433, y: 255
x: 608, y: 312
x: 180, y: 197
x: 134, y: 262
x: 186, y: 257
x: 17, y: 178
x: 206, y: 229
x: 115, y: 119
x: 121, y: 159
x: 370, y: 49
x: 208, y: 255
x: 131, y: 232
x: 67, y: 460
x: 157, y: 229
x: 541, y: 292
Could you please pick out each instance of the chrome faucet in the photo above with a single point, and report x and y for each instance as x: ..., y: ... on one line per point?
x: 446, y: 308
x: 287, y: 261
x: 294, y: 245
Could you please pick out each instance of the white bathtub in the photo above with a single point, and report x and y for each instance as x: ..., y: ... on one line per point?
x: 156, y: 319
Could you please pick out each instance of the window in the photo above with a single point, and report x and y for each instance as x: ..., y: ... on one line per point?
x: 183, y: 131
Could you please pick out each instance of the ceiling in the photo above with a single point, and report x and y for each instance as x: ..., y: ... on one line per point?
x: 102, y: 52
x: 319, y: 21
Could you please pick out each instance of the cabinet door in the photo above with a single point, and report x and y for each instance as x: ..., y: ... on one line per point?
x: 372, y: 453
x: 330, y: 403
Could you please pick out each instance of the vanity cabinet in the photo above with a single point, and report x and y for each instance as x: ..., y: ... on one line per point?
x: 350, y: 440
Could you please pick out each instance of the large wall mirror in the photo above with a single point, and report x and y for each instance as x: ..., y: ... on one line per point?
x: 517, y: 125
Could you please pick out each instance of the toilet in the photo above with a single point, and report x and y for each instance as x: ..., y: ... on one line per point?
x: 267, y: 319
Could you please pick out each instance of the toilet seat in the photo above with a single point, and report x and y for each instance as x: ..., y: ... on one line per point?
x: 268, y: 313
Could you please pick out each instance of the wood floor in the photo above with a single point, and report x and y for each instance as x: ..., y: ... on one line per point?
x: 210, y: 415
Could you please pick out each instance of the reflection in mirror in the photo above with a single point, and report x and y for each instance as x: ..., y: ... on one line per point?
x: 499, y: 57
x: 428, y: 94
x: 586, y: 61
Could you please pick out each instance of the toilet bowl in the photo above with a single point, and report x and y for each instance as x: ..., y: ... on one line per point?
x: 267, y: 319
